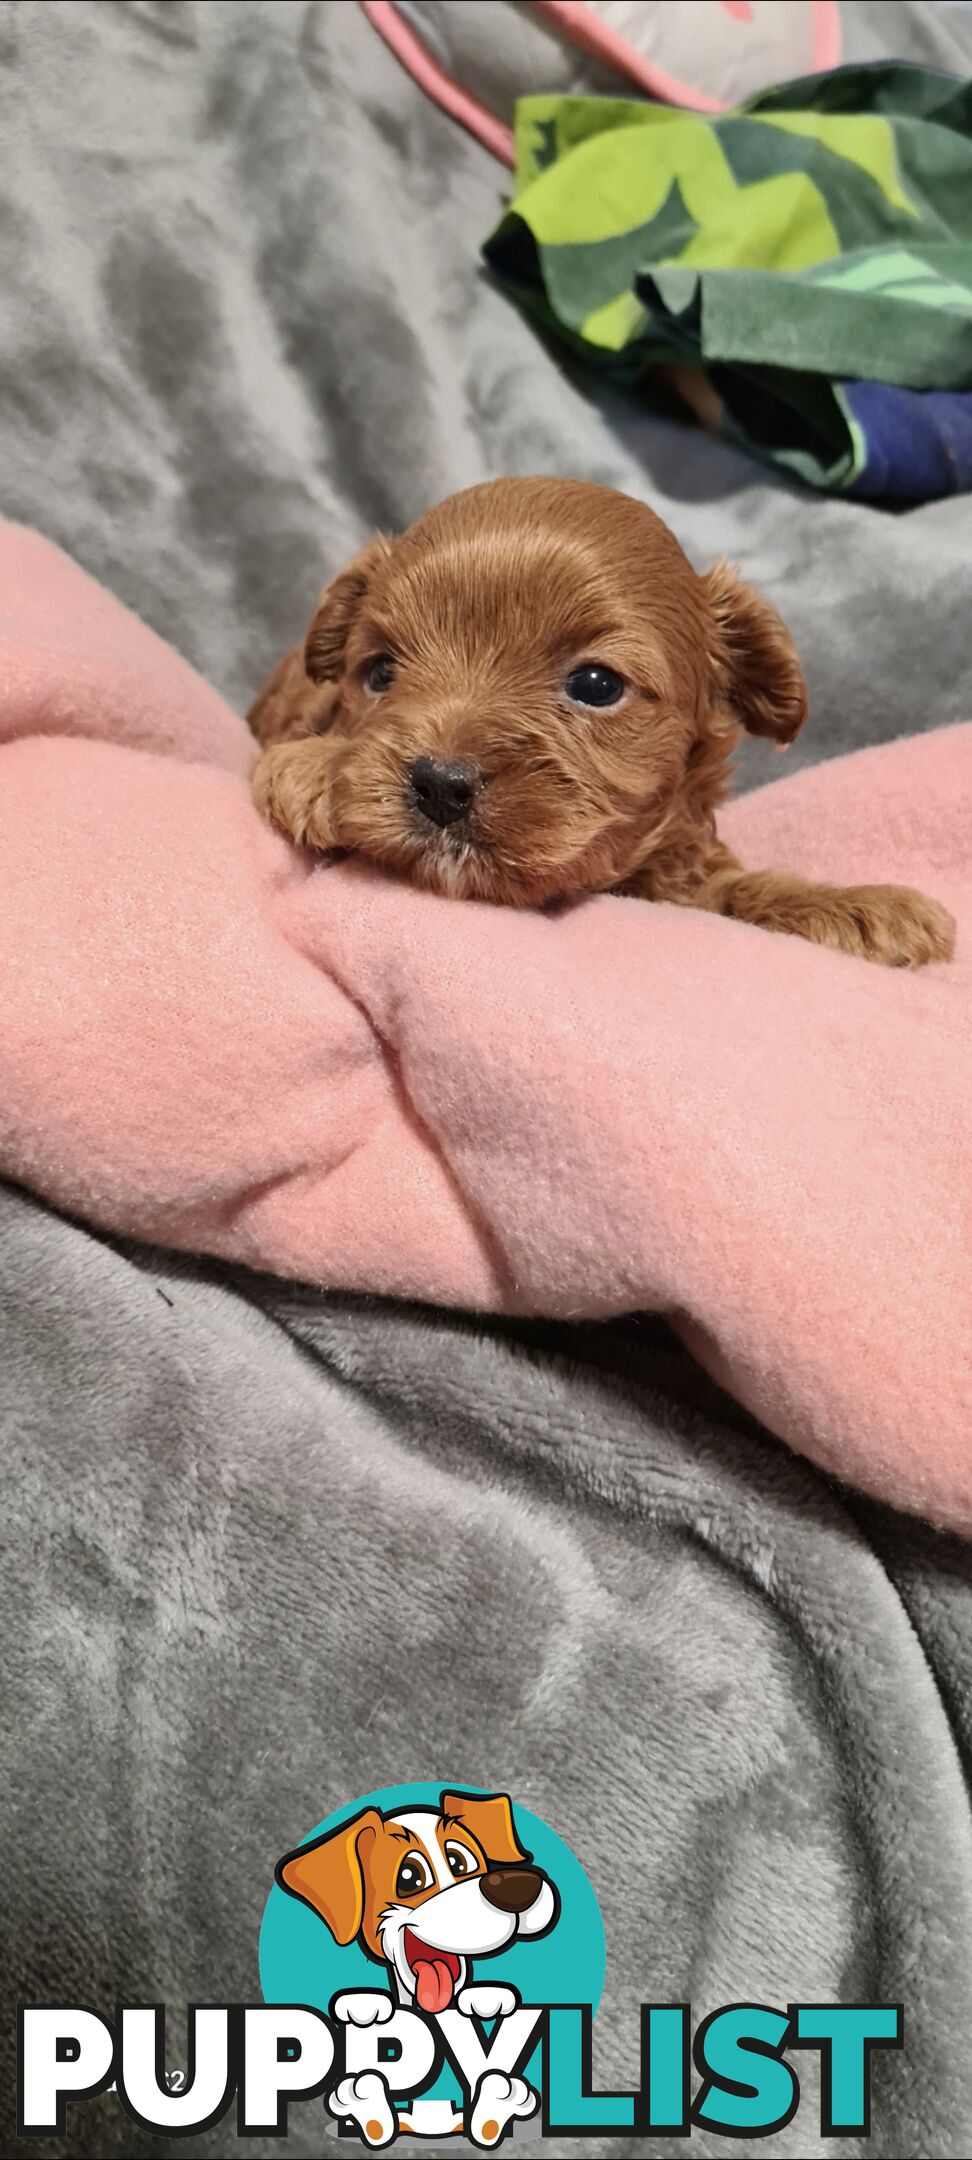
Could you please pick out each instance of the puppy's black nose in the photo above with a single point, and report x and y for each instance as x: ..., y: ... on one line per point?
x: 512, y: 1889
x: 442, y: 792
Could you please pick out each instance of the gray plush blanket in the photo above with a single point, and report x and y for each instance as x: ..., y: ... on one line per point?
x: 266, y: 1550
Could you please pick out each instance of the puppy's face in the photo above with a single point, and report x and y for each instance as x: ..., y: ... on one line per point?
x: 425, y: 1890
x: 526, y: 689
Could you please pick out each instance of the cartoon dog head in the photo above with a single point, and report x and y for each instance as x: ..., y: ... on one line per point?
x: 425, y: 1889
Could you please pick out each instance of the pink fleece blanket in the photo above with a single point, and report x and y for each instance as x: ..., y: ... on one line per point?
x: 208, y: 1040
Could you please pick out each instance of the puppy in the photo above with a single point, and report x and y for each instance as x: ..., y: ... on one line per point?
x: 532, y: 695
x: 425, y: 1890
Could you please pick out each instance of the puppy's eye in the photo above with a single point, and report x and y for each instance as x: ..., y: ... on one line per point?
x: 595, y: 686
x: 381, y: 673
x: 414, y: 1875
x: 460, y: 1860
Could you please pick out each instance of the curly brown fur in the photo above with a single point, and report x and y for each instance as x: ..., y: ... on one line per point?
x: 456, y: 643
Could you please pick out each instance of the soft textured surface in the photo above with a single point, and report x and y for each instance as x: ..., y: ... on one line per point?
x: 213, y: 1042
x: 700, y: 53
x: 251, y: 1557
x: 258, y: 1560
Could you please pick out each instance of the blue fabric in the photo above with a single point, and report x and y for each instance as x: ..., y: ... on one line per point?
x: 919, y: 442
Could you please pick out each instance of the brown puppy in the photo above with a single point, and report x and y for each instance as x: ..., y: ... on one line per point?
x: 532, y: 694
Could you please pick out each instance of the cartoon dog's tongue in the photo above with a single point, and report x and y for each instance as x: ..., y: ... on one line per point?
x: 436, y: 1973
x: 433, y: 1985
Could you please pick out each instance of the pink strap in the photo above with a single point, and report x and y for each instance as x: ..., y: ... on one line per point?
x: 437, y: 83
x: 582, y: 27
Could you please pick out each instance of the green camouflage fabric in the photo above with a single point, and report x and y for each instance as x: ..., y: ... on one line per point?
x: 817, y: 238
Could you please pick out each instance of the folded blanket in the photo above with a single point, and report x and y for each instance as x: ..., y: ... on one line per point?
x: 212, y: 1042
x: 804, y: 253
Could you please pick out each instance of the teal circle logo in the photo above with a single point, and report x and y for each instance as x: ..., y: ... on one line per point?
x: 449, y: 1916
x: 303, y: 1961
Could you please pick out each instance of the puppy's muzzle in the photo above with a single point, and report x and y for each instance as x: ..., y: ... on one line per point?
x: 512, y: 1890
x: 442, y: 792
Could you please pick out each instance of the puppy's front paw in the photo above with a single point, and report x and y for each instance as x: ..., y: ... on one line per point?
x: 500, y: 2100
x: 363, y: 2006
x: 291, y: 788
x: 897, y: 927
x: 487, y: 2001
x: 364, y: 2100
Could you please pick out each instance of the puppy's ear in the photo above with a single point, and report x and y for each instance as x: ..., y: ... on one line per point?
x: 336, y: 610
x: 289, y: 705
x: 329, y: 1874
x: 490, y: 1819
x: 754, y: 660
